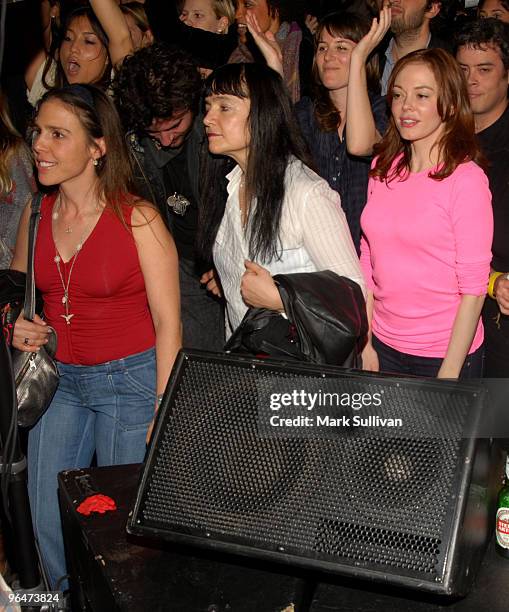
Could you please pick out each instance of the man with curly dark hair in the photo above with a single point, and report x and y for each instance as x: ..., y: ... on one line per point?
x: 157, y: 91
x: 482, y: 50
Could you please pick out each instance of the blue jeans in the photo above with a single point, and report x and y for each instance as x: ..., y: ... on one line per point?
x: 396, y: 362
x: 104, y: 409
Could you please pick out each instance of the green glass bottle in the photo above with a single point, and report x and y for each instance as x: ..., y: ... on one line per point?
x: 502, y: 525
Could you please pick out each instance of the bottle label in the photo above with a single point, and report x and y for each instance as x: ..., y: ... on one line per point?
x: 503, y: 527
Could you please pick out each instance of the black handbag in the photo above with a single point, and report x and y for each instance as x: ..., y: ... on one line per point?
x: 36, y: 375
x: 265, y: 333
x: 326, y: 322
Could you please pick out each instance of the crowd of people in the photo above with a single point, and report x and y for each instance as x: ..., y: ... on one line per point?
x: 190, y: 151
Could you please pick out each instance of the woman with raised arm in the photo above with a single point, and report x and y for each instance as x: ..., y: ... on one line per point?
x: 99, y: 257
x: 279, y: 20
x: 78, y: 54
x: 428, y: 227
x: 279, y: 216
x: 125, y: 25
x: 345, y: 116
x: 92, y: 40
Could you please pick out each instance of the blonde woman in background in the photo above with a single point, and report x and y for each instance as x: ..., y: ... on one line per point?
x: 210, y: 15
x: 16, y: 183
x: 137, y: 22
x: 16, y: 187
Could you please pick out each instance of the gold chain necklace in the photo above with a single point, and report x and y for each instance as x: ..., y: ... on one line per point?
x: 57, y: 259
x: 65, y: 298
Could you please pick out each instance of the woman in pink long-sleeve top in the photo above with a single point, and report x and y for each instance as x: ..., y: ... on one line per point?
x: 427, y: 227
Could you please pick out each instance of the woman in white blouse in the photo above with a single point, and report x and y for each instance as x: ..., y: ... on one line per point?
x: 278, y: 216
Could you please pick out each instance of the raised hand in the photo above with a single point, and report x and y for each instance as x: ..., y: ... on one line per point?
x: 374, y: 37
x: 311, y: 23
x: 266, y: 42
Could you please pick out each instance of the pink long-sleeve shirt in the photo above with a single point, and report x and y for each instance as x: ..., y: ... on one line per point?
x: 426, y: 243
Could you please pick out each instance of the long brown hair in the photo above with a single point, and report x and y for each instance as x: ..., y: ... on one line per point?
x: 99, y: 118
x: 352, y: 27
x: 60, y: 79
x: 10, y: 143
x: 457, y: 143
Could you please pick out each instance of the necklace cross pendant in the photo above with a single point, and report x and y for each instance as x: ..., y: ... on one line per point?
x: 67, y: 318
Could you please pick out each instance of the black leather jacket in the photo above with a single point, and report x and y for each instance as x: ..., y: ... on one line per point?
x: 326, y: 321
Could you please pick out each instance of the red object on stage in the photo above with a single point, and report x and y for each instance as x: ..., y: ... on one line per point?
x: 96, y: 503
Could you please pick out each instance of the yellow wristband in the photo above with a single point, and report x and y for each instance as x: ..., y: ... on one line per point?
x: 491, y: 284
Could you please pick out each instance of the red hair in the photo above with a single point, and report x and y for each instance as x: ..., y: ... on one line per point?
x: 457, y: 144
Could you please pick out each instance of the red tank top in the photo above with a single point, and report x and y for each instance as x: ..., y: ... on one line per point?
x: 107, y: 293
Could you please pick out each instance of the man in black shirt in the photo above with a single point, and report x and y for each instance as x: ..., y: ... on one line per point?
x: 157, y: 91
x: 482, y: 50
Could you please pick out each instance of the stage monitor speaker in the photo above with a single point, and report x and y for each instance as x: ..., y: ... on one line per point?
x: 385, y: 481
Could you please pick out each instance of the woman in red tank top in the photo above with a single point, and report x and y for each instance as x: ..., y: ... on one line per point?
x: 107, y: 270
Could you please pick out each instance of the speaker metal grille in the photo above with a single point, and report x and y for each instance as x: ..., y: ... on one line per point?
x: 384, y: 503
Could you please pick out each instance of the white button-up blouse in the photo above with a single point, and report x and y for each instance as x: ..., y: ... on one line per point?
x: 314, y: 236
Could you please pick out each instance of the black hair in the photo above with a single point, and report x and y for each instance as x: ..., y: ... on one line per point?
x: 504, y: 3
x: 60, y: 80
x: 480, y: 33
x: 155, y: 83
x: 274, y: 138
x: 363, y: 8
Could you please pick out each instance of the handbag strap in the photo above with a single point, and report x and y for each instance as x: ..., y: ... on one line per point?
x: 29, y: 308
